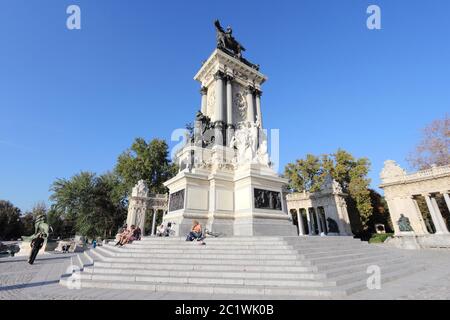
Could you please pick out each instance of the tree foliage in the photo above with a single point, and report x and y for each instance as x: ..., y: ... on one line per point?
x: 434, y: 148
x: 148, y: 161
x: 308, y: 174
x: 10, y: 224
x: 90, y: 204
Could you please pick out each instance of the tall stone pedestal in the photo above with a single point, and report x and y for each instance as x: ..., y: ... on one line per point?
x: 226, y: 181
x: 242, y: 201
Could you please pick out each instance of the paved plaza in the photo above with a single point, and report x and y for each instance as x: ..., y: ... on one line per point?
x: 19, y: 281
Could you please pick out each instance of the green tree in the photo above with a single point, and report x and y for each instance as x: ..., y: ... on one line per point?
x: 10, y: 224
x: 147, y: 161
x: 305, y: 174
x: 27, y: 221
x: 90, y: 205
x: 308, y: 174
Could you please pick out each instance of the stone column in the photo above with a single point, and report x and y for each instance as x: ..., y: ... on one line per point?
x: 301, y: 229
x: 258, y: 95
x: 319, y: 224
x: 218, y: 110
x: 436, y: 217
x: 310, y: 223
x: 229, y: 80
x: 447, y: 199
x: 154, y: 221
x: 204, y: 92
x: 250, y: 106
x: 439, y: 214
x: 230, y: 120
x: 416, y: 209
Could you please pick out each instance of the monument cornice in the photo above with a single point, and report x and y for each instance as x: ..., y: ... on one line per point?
x: 423, y: 175
x: 219, y: 59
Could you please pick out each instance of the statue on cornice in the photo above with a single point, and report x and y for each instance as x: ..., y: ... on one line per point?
x: 225, y: 40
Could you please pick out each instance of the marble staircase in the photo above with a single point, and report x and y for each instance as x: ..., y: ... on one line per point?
x: 329, y: 267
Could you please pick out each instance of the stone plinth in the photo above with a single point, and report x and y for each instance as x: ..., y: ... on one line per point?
x: 223, y: 200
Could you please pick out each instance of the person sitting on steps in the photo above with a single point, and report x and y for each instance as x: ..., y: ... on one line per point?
x: 196, y: 232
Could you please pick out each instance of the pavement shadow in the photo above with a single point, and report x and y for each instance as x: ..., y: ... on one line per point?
x: 25, y: 259
x: 28, y: 285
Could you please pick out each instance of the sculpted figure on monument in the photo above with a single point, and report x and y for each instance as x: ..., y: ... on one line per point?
x: 403, y: 224
x: 332, y: 226
x: 40, y: 227
x: 140, y: 189
x: 225, y: 40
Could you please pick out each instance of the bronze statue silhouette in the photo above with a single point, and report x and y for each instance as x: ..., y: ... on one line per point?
x: 226, y: 41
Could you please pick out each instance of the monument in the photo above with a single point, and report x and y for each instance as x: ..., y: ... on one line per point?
x: 419, y: 205
x: 141, y: 202
x: 226, y: 179
x: 40, y: 227
x: 323, y: 212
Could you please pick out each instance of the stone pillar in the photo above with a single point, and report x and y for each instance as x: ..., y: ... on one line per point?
x: 230, y: 120
x: 229, y: 80
x: 319, y: 223
x: 436, y: 217
x: 439, y: 214
x: 204, y: 92
x: 447, y: 199
x: 416, y: 209
x: 155, y: 212
x: 250, y: 106
x: 218, y: 110
x: 258, y: 95
x: 301, y: 228
x: 310, y: 222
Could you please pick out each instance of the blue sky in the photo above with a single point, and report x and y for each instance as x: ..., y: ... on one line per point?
x: 74, y: 100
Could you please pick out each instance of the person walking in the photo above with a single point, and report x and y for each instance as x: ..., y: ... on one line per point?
x: 36, y: 245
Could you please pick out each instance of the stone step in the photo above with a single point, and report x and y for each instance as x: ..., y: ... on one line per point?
x: 324, y: 245
x: 358, y: 267
x: 361, y: 284
x: 326, y: 252
x: 214, y: 289
x: 219, y: 239
x: 105, y: 256
x: 329, y: 266
x: 208, y: 245
x: 216, y: 268
x: 348, y: 257
x: 203, y: 249
x: 199, y: 254
x: 209, y: 274
x: 362, y: 275
x: 206, y: 255
x: 283, y: 266
x: 199, y: 279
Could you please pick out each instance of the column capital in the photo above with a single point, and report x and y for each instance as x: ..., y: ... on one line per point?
x: 258, y: 92
x: 228, y: 77
x: 250, y: 89
x: 203, y: 91
x: 219, y: 75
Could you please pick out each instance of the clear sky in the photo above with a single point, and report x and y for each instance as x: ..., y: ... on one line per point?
x: 74, y: 100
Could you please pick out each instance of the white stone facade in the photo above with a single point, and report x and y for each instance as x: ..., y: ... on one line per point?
x: 140, y: 201
x: 315, y: 209
x: 402, y: 190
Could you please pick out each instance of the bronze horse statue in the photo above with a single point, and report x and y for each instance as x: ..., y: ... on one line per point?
x: 225, y: 40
